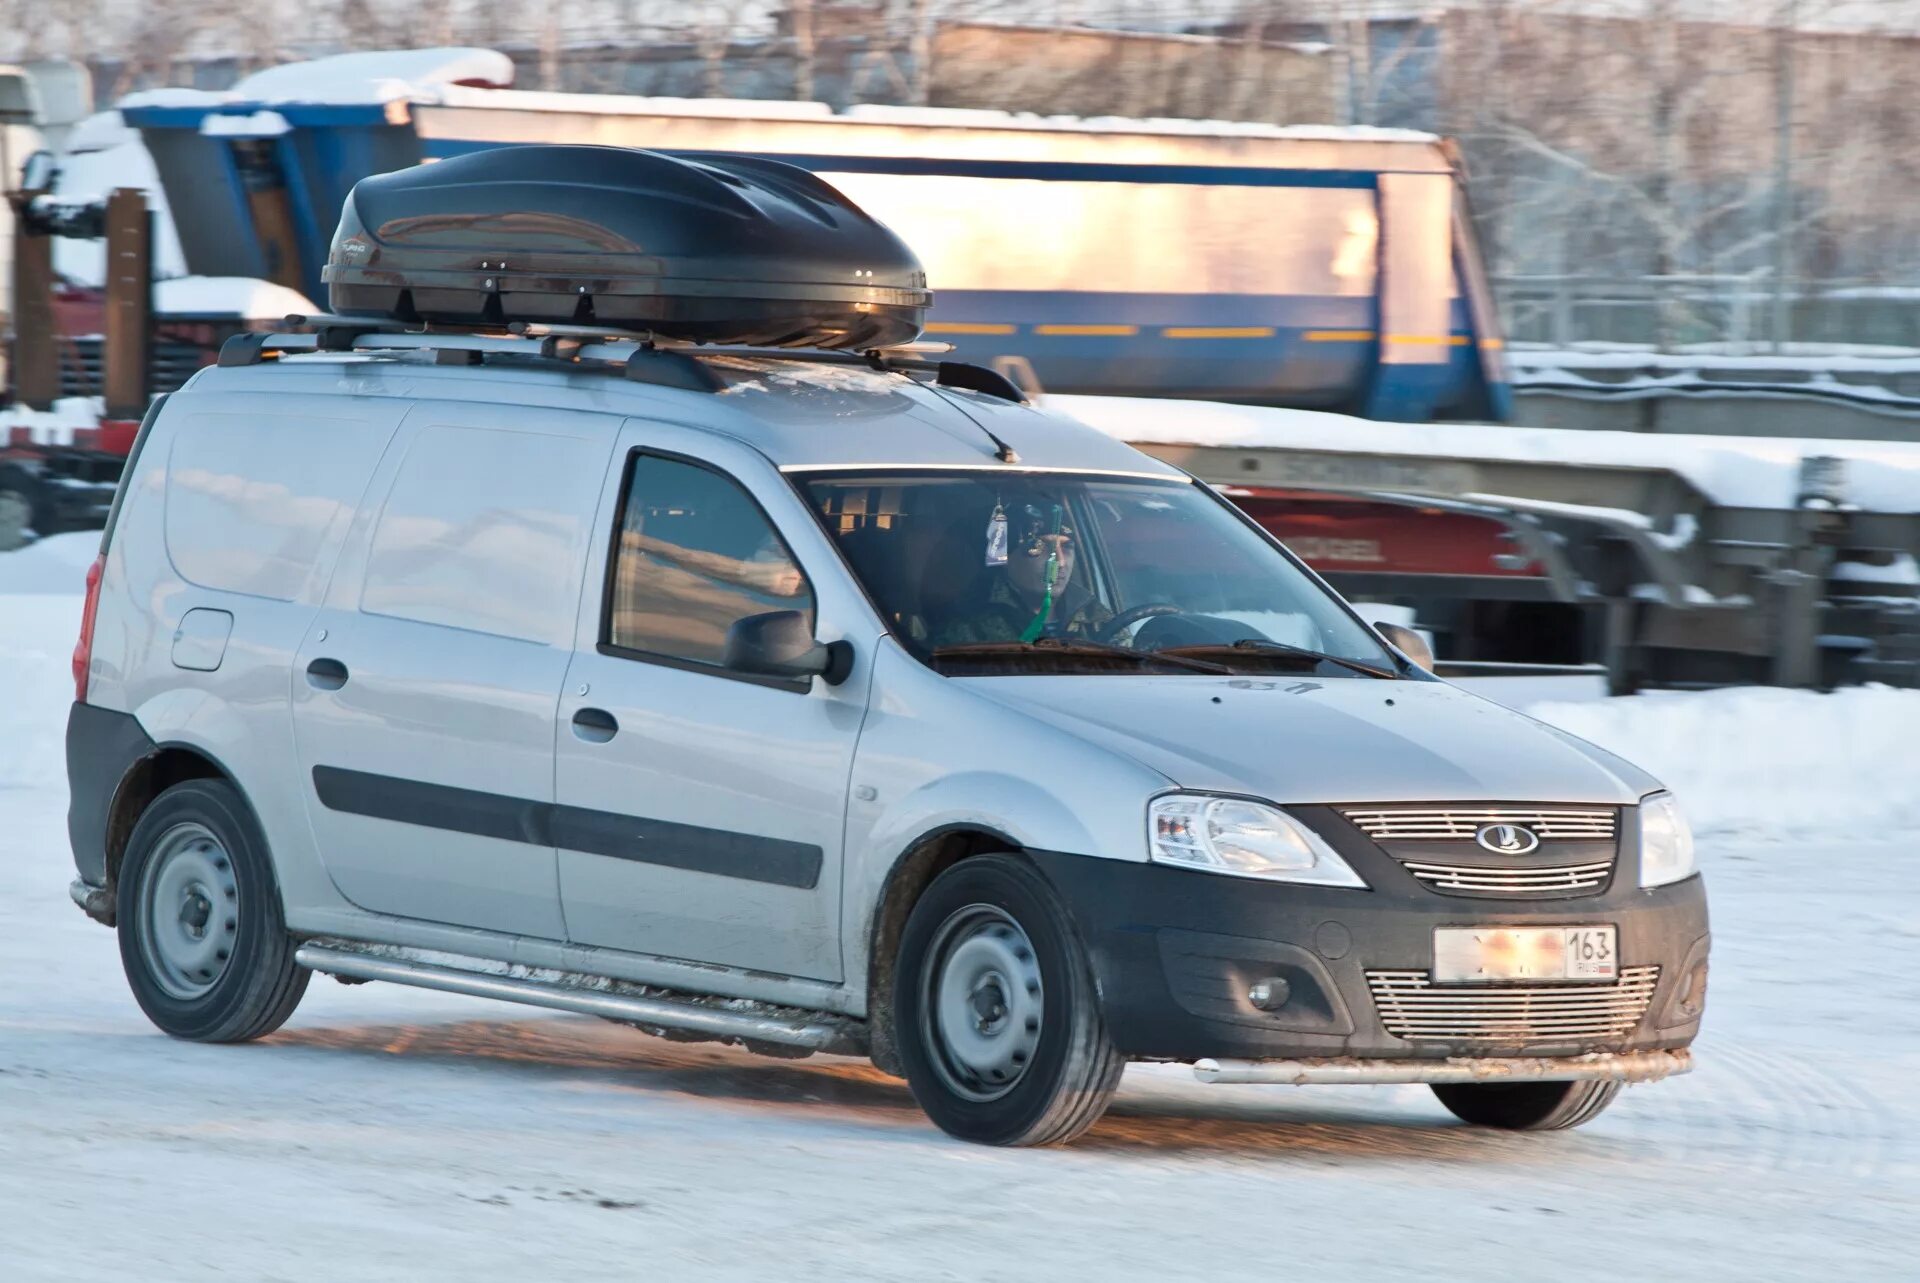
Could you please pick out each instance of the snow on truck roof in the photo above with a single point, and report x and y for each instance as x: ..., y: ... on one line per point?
x: 373, y: 77
x: 482, y: 78
x: 935, y: 117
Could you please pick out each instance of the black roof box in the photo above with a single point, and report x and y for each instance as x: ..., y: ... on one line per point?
x: 701, y: 246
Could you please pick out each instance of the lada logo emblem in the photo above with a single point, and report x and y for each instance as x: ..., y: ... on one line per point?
x: 1507, y: 839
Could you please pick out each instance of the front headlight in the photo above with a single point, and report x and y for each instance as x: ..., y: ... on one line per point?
x: 1245, y: 839
x: 1666, y: 843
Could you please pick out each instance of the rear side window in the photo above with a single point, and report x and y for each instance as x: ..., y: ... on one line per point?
x: 251, y: 498
x: 694, y: 554
x: 486, y: 529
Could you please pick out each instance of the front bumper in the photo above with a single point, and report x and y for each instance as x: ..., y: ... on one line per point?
x: 1176, y: 953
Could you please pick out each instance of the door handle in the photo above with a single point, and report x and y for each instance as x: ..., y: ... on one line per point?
x: 326, y: 674
x: 595, y: 725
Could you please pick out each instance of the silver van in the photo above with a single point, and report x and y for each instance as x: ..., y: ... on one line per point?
x: 818, y: 701
x: 832, y: 709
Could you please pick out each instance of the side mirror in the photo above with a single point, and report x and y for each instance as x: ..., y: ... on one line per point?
x: 781, y: 644
x: 1408, y: 643
x: 37, y: 174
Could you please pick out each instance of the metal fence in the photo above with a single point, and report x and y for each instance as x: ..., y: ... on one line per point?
x: 1674, y: 311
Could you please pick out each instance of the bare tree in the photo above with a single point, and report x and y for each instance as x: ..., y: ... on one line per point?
x: 1653, y: 144
x: 1615, y: 138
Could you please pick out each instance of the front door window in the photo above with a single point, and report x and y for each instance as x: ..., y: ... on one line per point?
x: 695, y: 555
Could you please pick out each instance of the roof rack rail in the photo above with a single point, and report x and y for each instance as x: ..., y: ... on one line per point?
x: 641, y: 357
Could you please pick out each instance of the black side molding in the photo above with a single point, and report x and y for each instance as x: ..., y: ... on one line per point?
x: 747, y: 856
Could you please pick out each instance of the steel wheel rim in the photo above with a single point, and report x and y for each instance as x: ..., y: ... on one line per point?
x: 982, y: 1003
x: 189, y: 911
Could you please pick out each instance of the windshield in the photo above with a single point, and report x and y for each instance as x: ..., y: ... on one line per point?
x: 990, y: 572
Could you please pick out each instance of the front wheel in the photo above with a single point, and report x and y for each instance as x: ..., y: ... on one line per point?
x: 999, y: 1027
x: 203, y: 937
x: 1527, y: 1107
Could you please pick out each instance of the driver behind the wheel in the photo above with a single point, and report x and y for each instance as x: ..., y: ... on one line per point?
x: 1031, y: 591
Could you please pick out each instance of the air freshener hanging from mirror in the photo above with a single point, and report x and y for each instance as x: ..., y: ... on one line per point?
x: 997, y: 537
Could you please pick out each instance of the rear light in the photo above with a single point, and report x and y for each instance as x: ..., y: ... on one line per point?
x: 83, y: 649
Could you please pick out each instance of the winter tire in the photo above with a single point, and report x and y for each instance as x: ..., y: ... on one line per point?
x: 999, y: 1027
x: 203, y: 937
x: 1527, y: 1107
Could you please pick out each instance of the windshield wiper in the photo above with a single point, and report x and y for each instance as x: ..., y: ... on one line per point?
x: 1262, y: 646
x: 1067, y: 649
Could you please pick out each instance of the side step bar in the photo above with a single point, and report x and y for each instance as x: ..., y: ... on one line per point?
x: 814, y: 1033
x: 1630, y: 1067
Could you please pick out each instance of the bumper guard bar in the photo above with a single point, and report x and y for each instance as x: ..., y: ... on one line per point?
x: 1629, y: 1067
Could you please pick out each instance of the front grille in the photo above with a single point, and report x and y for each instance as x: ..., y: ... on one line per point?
x: 1464, y: 877
x: 1441, y: 824
x: 1573, y: 854
x: 1412, y: 1007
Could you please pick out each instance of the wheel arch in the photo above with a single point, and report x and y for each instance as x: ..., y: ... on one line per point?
x: 912, y: 872
x: 145, y: 780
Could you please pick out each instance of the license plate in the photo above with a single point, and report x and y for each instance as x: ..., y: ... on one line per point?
x: 1462, y: 955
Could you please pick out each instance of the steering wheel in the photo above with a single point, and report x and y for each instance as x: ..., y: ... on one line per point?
x: 1128, y: 618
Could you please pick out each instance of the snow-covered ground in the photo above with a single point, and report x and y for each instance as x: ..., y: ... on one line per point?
x: 389, y: 1134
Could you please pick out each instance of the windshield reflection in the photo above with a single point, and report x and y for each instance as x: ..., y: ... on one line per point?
x: 995, y: 571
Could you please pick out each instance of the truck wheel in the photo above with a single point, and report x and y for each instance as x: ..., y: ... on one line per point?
x: 202, y: 935
x: 1527, y: 1107
x: 999, y: 1027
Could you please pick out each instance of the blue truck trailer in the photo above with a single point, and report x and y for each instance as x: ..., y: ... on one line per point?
x: 1307, y: 266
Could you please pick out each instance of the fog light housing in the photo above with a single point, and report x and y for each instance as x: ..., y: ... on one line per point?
x: 1270, y: 994
x: 1691, y: 1001
x: 1687, y: 1000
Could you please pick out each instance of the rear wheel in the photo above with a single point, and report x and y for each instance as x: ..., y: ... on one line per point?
x: 1527, y: 1107
x: 999, y: 1026
x: 203, y: 938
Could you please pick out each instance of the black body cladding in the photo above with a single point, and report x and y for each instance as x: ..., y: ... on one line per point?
x: 102, y: 746
x: 1176, y: 952
x: 705, y: 247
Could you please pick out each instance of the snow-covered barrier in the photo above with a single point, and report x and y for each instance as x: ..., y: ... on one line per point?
x: 1734, y: 472
x: 1730, y: 560
x: 1758, y: 762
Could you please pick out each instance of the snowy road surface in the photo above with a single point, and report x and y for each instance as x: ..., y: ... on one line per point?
x: 393, y: 1134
